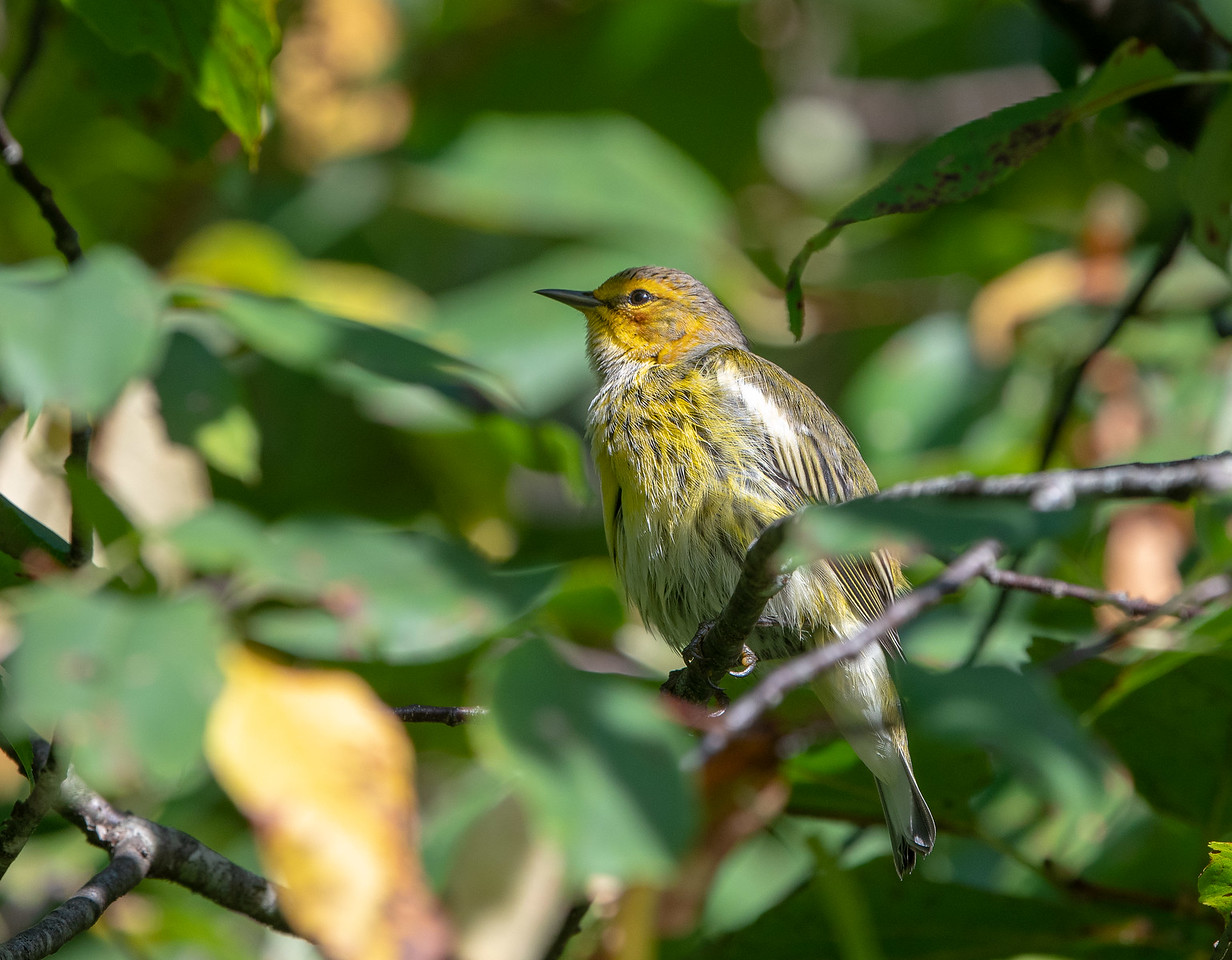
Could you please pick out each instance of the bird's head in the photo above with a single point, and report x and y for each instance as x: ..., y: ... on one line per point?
x: 647, y: 315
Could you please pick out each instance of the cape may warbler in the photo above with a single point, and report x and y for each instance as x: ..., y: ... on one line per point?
x: 699, y: 445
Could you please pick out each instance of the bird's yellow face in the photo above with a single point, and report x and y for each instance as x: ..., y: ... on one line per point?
x: 649, y: 315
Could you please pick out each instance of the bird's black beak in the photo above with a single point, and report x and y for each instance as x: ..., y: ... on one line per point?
x: 578, y: 299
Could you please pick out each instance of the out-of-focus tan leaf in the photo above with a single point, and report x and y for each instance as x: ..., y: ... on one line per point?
x: 1145, y: 544
x: 1094, y: 274
x: 323, y: 771
x: 331, y: 100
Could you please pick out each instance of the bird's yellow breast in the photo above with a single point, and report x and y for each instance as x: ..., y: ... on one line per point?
x: 684, y: 491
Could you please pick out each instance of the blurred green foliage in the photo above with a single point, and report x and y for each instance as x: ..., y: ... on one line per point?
x: 362, y: 448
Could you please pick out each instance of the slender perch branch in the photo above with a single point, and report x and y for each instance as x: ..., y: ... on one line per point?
x: 1058, y: 589
x: 1187, y: 603
x: 717, y: 646
x: 800, y: 670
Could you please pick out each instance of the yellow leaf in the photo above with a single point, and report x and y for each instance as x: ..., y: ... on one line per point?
x: 324, y: 773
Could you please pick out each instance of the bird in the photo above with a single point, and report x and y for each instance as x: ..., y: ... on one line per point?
x: 699, y: 445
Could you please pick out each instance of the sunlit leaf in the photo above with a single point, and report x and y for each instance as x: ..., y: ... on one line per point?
x: 596, y: 759
x: 1215, y: 883
x: 223, y: 50
x: 969, y: 160
x: 324, y: 772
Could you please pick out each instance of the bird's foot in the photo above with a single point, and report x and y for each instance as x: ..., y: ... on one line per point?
x: 748, y: 662
x: 694, y: 648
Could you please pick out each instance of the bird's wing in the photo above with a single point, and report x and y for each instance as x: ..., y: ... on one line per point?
x: 812, y: 456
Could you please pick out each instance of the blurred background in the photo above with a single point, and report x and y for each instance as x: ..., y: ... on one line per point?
x: 425, y: 166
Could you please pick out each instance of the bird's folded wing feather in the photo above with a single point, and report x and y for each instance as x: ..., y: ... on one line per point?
x: 815, y: 459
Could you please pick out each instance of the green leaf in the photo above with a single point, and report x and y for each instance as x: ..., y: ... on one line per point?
x: 1215, y: 883
x: 1016, y: 717
x: 370, y: 590
x: 1169, y: 719
x: 1208, y: 188
x: 923, y: 918
x: 575, y: 176
x: 202, y: 407
x: 972, y: 158
x: 305, y: 339
x: 20, y: 533
x: 596, y: 760
x: 79, y: 339
x: 125, y: 680
x: 222, y: 49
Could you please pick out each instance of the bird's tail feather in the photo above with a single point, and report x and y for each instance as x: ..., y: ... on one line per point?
x: 912, y: 830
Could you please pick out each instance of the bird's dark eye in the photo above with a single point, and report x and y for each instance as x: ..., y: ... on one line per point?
x: 640, y: 296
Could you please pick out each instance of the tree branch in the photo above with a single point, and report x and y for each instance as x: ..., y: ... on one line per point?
x: 35, y: 31
x: 800, y: 670
x: 29, y: 813
x: 569, y: 927
x: 1058, y: 589
x: 1060, y: 489
x: 1187, y: 603
x: 450, y: 716
x: 717, y: 646
x: 171, y: 854
x: 14, y: 158
x: 77, y: 914
x: 81, y: 532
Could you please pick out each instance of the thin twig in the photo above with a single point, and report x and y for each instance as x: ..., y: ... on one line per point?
x: 1058, y: 589
x: 800, y: 670
x: 450, y: 716
x: 171, y: 854
x: 35, y: 31
x: 569, y: 928
x: 1128, y: 309
x: 81, y: 531
x: 1192, y: 602
x: 29, y: 813
x: 14, y: 158
x: 1065, y: 404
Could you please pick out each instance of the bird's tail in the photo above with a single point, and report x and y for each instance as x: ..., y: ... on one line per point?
x: 912, y: 830
x: 860, y: 697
